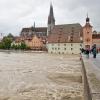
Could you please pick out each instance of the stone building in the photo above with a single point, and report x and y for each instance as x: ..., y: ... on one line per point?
x: 90, y: 37
x: 17, y: 41
x: 96, y: 40
x: 87, y: 34
x: 35, y: 43
x: 35, y: 37
x: 31, y: 31
x: 65, y: 39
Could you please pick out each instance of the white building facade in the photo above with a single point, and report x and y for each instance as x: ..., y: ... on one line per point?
x: 65, y: 39
x: 64, y: 48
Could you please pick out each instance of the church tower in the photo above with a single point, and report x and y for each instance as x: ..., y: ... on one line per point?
x: 87, y: 34
x: 51, y: 20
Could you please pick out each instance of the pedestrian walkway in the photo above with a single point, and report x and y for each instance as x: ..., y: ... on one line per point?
x: 95, y: 61
x: 92, y: 67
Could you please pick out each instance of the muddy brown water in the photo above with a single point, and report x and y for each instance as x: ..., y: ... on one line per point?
x: 40, y: 76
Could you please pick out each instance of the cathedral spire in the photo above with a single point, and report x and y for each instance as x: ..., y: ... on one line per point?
x: 34, y: 27
x: 51, y: 18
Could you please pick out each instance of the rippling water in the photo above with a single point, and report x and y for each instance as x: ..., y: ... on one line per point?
x: 40, y: 76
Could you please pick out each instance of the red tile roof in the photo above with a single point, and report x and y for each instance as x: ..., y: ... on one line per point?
x: 38, y: 29
x: 87, y: 25
x: 69, y: 33
x: 96, y: 36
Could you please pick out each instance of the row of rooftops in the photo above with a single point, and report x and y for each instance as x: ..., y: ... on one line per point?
x: 38, y: 29
x: 65, y: 33
x: 96, y: 36
x: 62, y: 33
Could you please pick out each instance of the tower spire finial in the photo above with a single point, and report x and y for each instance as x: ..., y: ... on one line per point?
x: 34, y: 24
x: 87, y: 19
x: 87, y: 14
x: 51, y: 2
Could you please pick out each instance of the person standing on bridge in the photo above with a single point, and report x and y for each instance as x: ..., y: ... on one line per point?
x: 87, y: 51
x: 94, y: 51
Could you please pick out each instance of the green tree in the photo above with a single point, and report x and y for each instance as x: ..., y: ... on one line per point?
x: 1, y: 45
x: 10, y: 36
x: 23, y: 46
x: 6, y: 43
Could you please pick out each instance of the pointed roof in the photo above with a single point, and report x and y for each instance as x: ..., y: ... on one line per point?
x: 87, y: 19
x: 51, y: 15
x: 87, y: 22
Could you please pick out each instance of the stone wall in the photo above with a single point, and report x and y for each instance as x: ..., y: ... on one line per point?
x: 92, y: 83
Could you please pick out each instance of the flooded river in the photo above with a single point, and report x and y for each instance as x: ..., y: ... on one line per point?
x: 40, y: 76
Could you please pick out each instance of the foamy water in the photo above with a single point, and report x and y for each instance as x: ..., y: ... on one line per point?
x: 40, y: 76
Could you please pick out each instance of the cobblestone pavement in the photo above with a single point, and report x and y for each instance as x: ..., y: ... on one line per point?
x: 33, y: 76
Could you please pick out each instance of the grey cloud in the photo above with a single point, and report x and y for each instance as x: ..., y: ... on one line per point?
x: 15, y: 14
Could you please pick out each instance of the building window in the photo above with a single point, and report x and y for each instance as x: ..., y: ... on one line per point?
x: 64, y: 48
x: 64, y: 44
x: 71, y: 38
x: 58, y: 48
x: 52, y: 44
x: 55, y: 48
x: 52, y: 48
x: 58, y: 44
x: 58, y: 41
x: 71, y: 44
x: 71, y: 48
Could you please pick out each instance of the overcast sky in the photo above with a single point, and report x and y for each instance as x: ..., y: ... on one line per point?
x: 16, y: 14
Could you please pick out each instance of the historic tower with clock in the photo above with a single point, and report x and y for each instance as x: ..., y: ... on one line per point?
x: 87, y: 34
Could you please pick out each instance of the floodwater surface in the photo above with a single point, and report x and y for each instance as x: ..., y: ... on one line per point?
x: 40, y: 76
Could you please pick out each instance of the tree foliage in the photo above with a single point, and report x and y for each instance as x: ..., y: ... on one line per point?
x: 21, y: 46
x: 6, y: 43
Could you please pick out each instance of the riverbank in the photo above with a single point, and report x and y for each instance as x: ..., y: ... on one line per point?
x: 22, y: 51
